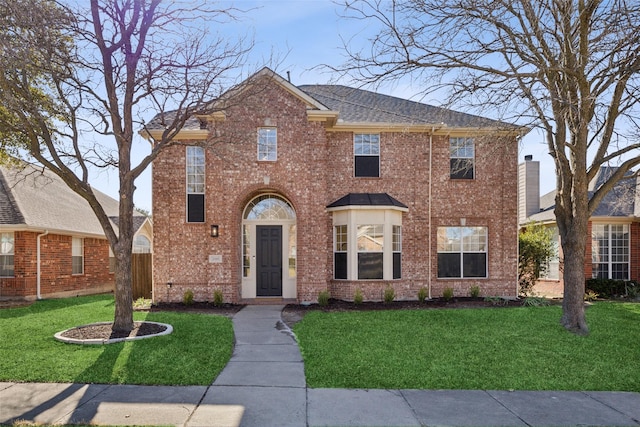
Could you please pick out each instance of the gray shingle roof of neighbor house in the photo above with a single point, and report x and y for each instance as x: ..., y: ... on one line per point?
x: 619, y: 202
x: 38, y: 199
x: 367, y: 199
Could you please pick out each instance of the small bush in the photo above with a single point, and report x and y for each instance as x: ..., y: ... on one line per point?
x: 474, y: 292
x: 218, y: 298
x: 389, y: 294
x: 447, y: 294
x: 323, y: 298
x: 496, y: 300
x: 535, y: 302
x: 632, y: 289
x: 422, y: 294
x: 187, y: 297
x: 590, y: 296
x: 357, y: 297
x: 142, y: 303
x: 606, y: 288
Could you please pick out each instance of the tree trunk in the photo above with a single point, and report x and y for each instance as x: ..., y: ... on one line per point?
x: 123, y: 320
x: 574, y: 241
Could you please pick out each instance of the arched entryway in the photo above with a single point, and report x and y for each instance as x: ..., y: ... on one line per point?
x: 269, y: 248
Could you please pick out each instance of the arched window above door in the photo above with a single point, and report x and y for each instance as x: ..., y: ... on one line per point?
x: 269, y: 207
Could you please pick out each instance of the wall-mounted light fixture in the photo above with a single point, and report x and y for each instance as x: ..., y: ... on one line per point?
x: 169, y: 284
x: 463, y: 221
x: 215, y: 230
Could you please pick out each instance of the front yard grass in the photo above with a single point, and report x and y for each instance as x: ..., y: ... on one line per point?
x: 492, y: 349
x: 194, y: 354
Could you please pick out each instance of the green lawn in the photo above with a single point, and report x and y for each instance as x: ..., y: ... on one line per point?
x: 495, y: 348
x: 194, y: 354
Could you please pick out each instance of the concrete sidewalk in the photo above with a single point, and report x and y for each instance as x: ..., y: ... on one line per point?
x: 264, y: 385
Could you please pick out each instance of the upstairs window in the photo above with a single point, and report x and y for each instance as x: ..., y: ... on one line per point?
x: 77, y: 255
x: 195, y: 184
x: 7, y: 244
x: 366, y: 149
x: 268, y: 144
x: 461, y: 154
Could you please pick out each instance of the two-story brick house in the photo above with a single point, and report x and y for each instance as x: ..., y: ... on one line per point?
x: 295, y: 190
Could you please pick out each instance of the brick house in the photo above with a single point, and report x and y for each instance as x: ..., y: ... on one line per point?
x: 295, y: 190
x: 612, y: 250
x: 52, y: 245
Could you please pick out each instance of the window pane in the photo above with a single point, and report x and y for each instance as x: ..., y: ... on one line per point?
x: 474, y: 239
x: 397, y: 265
x: 195, y: 208
x: 367, y: 166
x: 397, y: 238
x: 246, y: 251
x: 449, y: 239
x: 449, y: 265
x: 6, y: 266
x: 77, y: 255
x: 461, y: 169
x: 340, y: 265
x: 195, y: 170
x: 474, y: 265
x: 370, y: 238
x: 341, y: 238
x: 269, y: 207
x: 370, y: 265
x: 292, y: 250
x: 6, y: 243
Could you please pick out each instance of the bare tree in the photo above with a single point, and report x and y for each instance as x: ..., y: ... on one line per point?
x: 568, y: 67
x: 103, y: 71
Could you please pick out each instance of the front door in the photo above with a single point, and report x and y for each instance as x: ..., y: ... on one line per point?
x: 269, y: 260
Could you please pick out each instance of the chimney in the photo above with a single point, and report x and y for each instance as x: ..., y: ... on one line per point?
x: 528, y: 188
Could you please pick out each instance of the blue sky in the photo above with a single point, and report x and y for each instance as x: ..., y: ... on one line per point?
x: 301, y: 35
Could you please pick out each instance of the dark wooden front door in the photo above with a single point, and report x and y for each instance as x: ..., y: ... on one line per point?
x: 269, y: 262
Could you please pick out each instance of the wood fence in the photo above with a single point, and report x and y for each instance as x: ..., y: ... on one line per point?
x: 141, y: 275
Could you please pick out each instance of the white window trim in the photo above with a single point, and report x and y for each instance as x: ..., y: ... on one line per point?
x: 379, y: 155
x: 610, y: 262
x: 461, y: 252
x: 73, y: 246
x: 188, y: 191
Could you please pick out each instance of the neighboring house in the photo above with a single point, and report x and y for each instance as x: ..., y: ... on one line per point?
x: 613, y: 249
x: 296, y: 190
x: 52, y: 245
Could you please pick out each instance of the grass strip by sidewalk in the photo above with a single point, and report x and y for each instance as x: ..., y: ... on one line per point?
x: 194, y: 354
x: 492, y: 349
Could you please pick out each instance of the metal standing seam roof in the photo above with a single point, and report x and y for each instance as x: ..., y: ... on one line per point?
x: 33, y: 198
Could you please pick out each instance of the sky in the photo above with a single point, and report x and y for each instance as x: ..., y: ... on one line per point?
x: 302, y: 35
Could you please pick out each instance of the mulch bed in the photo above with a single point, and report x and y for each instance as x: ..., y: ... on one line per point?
x: 227, y: 310
x: 104, y: 332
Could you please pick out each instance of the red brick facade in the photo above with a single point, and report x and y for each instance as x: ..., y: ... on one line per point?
x: 56, y: 279
x: 315, y: 167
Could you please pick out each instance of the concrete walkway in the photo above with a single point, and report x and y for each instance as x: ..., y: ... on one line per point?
x: 264, y: 385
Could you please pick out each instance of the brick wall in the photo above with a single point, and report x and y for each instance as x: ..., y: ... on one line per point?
x: 57, y: 279
x: 315, y: 168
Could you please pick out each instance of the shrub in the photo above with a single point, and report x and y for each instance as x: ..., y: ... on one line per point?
x: 187, y: 297
x: 447, y: 294
x: 474, y: 292
x: 496, y: 300
x: 218, y: 298
x: 422, y: 294
x: 633, y: 290
x: 389, y: 294
x: 590, y: 296
x: 357, y: 297
x: 535, y: 302
x: 323, y: 298
x: 606, y: 288
x: 535, y: 249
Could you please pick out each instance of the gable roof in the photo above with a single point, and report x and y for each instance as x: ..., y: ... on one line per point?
x: 38, y: 199
x: 342, y: 108
x: 619, y: 202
